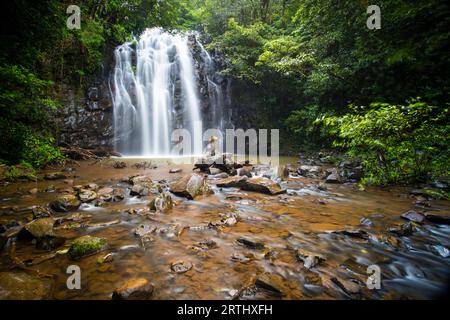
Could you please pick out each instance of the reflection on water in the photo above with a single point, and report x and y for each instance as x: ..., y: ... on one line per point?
x: 304, y: 218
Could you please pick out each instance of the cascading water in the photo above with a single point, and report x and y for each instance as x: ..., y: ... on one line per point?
x: 156, y: 91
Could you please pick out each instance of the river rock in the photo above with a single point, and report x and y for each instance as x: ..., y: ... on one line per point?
x: 24, y: 286
x: 262, y: 185
x: 230, y: 182
x: 251, y: 243
x: 65, y: 203
x: 119, y: 165
x: 87, y: 195
x: 214, y: 171
x: 141, y: 179
x: 413, y: 216
x: 110, y: 194
x: 267, y: 283
x: 439, y: 219
x: 333, y: 178
x: 49, y: 242
x: 162, y: 202
x: 86, y: 245
x: 175, y: 170
x: 354, y: 233
x: 55, y: 176
x: 309, y: 171
x: 180, y: 266
x: 242, y: 257
x: 40, y: 212
x: 246, y: 171
x: 139, y: 190
x: 405, y: 230
x: 349, y: 287
x: 37, y: 229
x: 191, y: 186
x: 309, y: 259
x: 134, y: 289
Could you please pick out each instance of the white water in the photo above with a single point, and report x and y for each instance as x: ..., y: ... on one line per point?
x: 146, y: 76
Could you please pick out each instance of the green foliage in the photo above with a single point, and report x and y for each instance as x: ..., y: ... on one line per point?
x: 396, y: 143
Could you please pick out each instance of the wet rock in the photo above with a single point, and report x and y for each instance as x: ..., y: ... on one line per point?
x: 110, y: 194
x: 242, y: 257
x: 214, y: 171
x: 40, y: 212
x: 162, y: 202
x: 441, y: 250
x: 142, y: 180
x: 119, y: 165
x: 139, y: 190
x: 181, y: 266
x: 175, y: 170
x: 106, y: 258
x: 49, y: 242
x: 55, y: 176
x: 65, y: 203
x: 413, y: 216
x: 309, y: 171
x: 230, y: 182
x: 309, y: 259
x: 349, y: 287
x: 333, y: 177
x: 439, y: 219
x: 265, y: 282
x: 3, y: 241
x: 33, y: 191
x: 218, y: 176
x: 191, y: 186
x: 143, y: 230
x: 354, y: 233
x: 246, y: 171
x: 86, y: 245
x: 37, y: 229
x: 405, y: 230
x: 87, y: 195
x: 24, y: 286
x: 134, y: 289
x: 262, y: 185
x: 366, y: 222
x: 207, y: 244
x: 251, y: 243
x: 145, y: 165
x: 230, y: 221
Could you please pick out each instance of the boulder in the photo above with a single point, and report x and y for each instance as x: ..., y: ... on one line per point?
x: 333, y: 177
x: 37, y: 229
x: 309, y: 171
x: 263, y: 185
x: 87, y: 195
x: 139, y: 190
x: 162, y: 202
x: 65, y: 203
x: 40, y: 212
x: 134, y: 289
x: 230, y: 182
x: 108, y: 194
x: 85, y: 246
x: 191, y: 186
x: 413, y: 216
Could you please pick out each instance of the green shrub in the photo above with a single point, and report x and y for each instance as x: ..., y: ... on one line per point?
x: 396, y: 143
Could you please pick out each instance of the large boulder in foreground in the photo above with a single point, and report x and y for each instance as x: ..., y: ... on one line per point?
x: 134, y: 289
x: 262, y: 185
x: 191, y: 186
x: 65, y: 203
x: 85, y: 246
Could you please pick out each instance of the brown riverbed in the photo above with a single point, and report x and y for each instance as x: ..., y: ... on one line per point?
x: 304, y: 217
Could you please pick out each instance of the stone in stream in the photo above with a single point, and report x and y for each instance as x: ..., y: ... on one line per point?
x: 191, y: 186
x: 55, y: 176
x: 40, y: 212
x: 333, y: 178
x: 86, y: 245
x: 266, y: 282
x: 162, y: 202
x: 87, y: 195
x: 413, y: 216
x: 49, y: 242
x: 262, y: 185
x: 309, y: 259
x: 139, y: 190
x: 65, y: 203
x: 348, y: 286
x: 175, y: 170
x: 37, y: 229
x: 251, y: 244
x: 180, y: 266
x: 439, y: 219
x: 242, y: 257
x: 214, y: 171
x: 134, y: 289
x: 106, y: 258
x: 108, y: 194
x: 141, y: 179
x: 24, y: 286
x: 309, y: 171
x: 230, y: 182
x: 119, y: 165
x: 366, y: 222
x: 405, y: 230
x: 356, y: 233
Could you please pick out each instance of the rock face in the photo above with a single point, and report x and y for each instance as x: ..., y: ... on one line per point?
x: 191, y: 186
x: 86, y: 245
x: 134, y: 289
x: 65, y: 203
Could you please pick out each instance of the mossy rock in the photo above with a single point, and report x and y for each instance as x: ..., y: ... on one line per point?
x: 85, y: 246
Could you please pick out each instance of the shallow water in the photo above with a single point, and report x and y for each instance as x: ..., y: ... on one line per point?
x: 303, y: 218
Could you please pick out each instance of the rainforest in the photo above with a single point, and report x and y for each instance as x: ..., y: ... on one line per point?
x: 225, y: 149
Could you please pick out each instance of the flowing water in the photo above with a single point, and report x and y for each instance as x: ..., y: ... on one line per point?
x: 304, y: 218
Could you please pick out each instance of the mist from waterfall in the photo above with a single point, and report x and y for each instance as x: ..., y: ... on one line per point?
x: 154, y: 91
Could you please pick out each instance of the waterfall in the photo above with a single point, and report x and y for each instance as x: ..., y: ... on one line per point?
x: 155, y: 90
